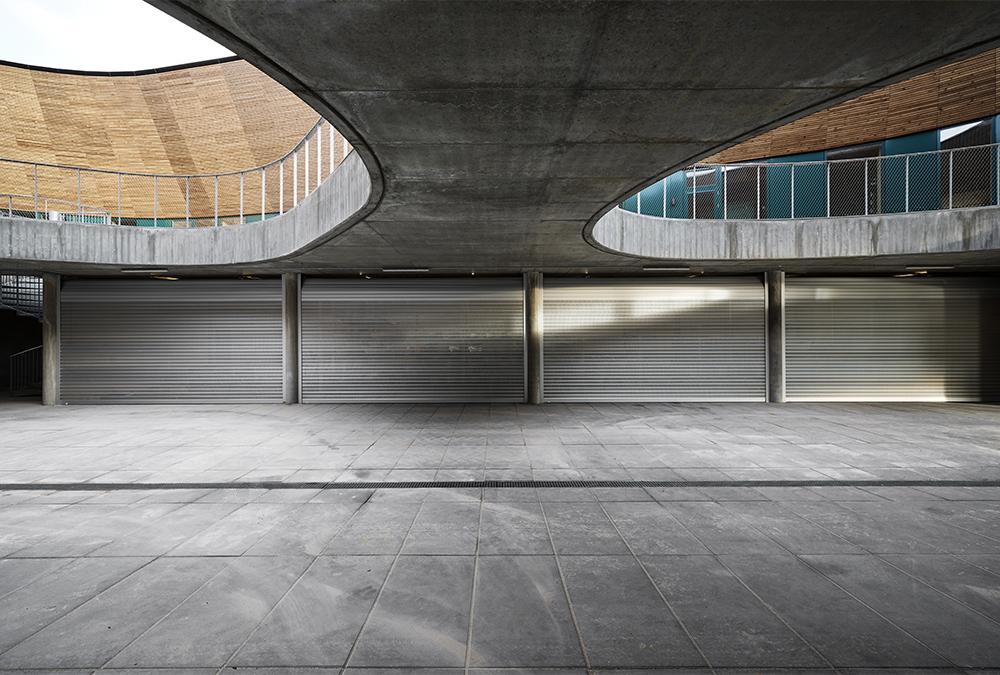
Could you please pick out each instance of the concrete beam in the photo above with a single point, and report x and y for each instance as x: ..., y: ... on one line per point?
x: 51, y: 349
x: 775, y: 287
x: 534, y: 336
x: 290, y: 293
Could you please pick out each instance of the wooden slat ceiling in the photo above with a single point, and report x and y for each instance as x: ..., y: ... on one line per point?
x: 956, y: 93
x: 206, y: 119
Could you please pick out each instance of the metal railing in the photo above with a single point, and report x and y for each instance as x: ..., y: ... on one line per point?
x: 26, y: 372
x: 864, y: 186
x: 21, y: 293
x: 55, y: 192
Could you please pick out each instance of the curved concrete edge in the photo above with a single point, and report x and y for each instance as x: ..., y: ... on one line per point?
x: 330, y: 210
x: 960, y: 230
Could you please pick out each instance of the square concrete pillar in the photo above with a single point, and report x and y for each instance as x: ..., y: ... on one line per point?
x: 51, y: 349
x: 535, y: 336
x: 775, y: 288
x: 290, y: 317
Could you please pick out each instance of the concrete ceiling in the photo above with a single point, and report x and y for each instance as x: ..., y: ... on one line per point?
x: 495, y: 131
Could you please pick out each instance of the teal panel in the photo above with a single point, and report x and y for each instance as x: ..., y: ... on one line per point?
x: 149, y: 222
x: 631, y: 204
x: 651, y: 200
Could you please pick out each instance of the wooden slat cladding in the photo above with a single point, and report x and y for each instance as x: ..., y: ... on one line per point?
x: 205, y: 119
x: 956, y: 93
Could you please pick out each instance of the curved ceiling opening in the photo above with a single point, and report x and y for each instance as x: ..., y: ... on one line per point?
x: 100, y: 36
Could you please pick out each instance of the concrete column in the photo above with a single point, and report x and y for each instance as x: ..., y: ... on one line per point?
x: 290, y: 282
x: 51, y: 349
x: 775, y: 283
x: 535, y: 336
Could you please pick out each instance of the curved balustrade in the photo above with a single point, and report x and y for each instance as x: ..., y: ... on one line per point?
x: 52, y: 192
x: 905, y: 183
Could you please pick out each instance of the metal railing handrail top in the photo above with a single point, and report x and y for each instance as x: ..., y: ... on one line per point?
x: 25, y: 351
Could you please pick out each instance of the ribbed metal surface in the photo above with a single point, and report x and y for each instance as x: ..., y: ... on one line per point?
x: 149, y: 341
x: 412, y: 340
x: 654, y: 339
x: 891, y: 339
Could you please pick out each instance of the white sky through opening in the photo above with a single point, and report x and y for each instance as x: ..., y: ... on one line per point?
x: 99, y: 35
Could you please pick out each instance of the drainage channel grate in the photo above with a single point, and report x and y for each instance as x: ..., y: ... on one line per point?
x: 478, y: 484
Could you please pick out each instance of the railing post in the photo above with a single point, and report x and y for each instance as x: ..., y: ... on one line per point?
x: 906, y: 186
x: 725, y: 194
x: 10, y: 206
x: 36, y: 189
x: 329, y: 145
x: 758, y: 192
x: 281, y: 187
x: 119, y: 200
x: 828, y: 189
x: 792, y: 200
x: 305, y: 175
x: 664, y: 181
x: 216, y: 216
x: 951, y: 184
x: 295, y: 179
x: 694, y: 192
x: 241, y: 199
x: 263, y: 192
x: 154, y: 202
x: 319, y: 152
x: 638, y: 202
x: 866, y: 187
x: 187, y: 201
x: 79, y: 198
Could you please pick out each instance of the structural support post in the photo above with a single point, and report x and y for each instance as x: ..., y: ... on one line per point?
x: 290, y: 282
x: 775, y: 288
x: 51, y: 292
x: 534, y: 336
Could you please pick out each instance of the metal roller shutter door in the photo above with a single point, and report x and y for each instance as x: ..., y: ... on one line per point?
x: 891, y: 339
x: 412, y: 340
x: 654, y: 340
x: 150, y: 341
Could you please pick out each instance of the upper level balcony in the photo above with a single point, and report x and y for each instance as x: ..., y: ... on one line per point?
x: 102, y: 197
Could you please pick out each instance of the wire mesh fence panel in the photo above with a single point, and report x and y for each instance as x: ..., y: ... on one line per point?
x: 250, y: 208
x: 271, y: 175
x: 136, y: 205
x: 965, y: 177
x: 229, y: 199
x: 972, y: 178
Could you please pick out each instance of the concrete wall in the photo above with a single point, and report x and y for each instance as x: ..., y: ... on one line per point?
x: 956, y: 231
x: 319, y: 216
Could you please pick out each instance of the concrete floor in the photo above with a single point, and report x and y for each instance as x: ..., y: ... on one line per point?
x: 690, y: 578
